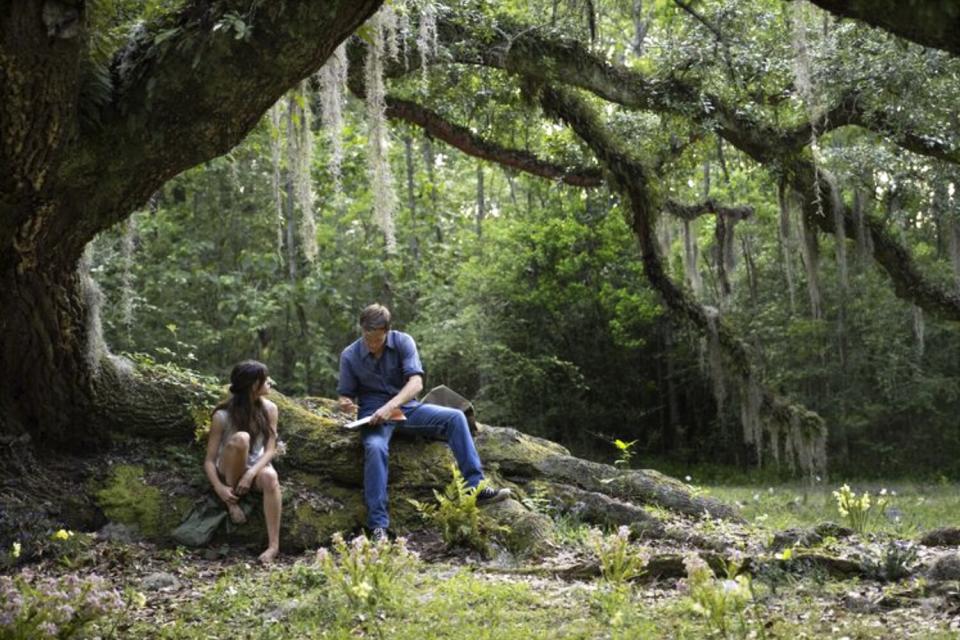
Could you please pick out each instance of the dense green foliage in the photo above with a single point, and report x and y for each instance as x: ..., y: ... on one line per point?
x: 529, y: 296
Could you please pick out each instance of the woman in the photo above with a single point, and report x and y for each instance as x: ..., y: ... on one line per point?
x: 242, y: 442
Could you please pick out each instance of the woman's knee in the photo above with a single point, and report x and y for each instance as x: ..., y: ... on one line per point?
x: 268, y: 479
x: 239, y: 440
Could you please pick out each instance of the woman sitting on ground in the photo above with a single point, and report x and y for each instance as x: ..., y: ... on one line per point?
x: 242, y: 442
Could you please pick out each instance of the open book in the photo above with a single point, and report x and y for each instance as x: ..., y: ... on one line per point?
x: 396, y: 416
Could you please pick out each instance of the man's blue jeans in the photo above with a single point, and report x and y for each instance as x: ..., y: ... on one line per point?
x: 428, y: 420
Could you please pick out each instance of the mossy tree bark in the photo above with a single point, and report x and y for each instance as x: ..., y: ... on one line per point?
x: 932, y: 24
x: 83, y: 146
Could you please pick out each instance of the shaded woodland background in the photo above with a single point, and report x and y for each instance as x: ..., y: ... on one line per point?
x: 529, y: 295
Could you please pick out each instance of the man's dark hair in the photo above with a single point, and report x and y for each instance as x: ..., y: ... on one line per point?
x: 375, y: 316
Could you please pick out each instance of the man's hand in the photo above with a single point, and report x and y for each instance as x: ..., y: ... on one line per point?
x: 226, y: 494
x: 246, y: 481
x: 346, y: 405
x: 381, y: 415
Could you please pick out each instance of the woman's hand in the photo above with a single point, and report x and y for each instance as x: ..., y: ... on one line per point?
x: 246, y: 481
x: 226, y: 494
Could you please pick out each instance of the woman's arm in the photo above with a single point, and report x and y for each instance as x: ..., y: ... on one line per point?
x: 224, y: 492
x: 269, y: 449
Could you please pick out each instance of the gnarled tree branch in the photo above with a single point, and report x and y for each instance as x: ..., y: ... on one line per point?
x: 932, y: 23
x: 474, y: 145
x: 189, y: 78
x: 694, y: 211
x: 529, y: 54
x: 630, y: 177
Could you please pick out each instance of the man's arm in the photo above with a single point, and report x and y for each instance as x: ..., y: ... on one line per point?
x: 409, y: 391
x: 346, y: 386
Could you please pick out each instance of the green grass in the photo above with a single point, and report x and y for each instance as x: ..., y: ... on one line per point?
x: 448, y: 602
x: 441, y: 601
x: 920, y: 507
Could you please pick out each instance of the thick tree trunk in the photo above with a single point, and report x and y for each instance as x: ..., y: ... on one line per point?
x: 181, y: 91
x: 46, y: 381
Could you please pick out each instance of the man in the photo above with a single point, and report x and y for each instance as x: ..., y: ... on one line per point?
x: 382, y: 371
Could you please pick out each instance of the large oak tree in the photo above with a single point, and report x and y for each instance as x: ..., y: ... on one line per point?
x: 82, y: 146
x: 85, y: 142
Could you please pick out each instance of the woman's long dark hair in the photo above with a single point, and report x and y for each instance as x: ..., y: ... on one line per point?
x: 246, y: 412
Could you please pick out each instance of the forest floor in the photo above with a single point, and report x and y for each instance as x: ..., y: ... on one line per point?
x: 221, y: 592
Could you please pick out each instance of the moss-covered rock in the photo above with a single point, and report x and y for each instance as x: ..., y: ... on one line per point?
x: 523, y: 458
x: 128, y: 498
x: 528, y: 532
x: 322, y: 477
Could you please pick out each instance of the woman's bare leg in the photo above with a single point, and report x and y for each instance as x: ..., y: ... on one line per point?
x: 269, y: 484
x: 233, y: 464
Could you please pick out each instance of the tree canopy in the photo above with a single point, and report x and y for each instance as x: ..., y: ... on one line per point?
x: 698, y: 211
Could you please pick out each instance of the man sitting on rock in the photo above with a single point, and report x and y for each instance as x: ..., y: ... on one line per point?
x: 382, y: 371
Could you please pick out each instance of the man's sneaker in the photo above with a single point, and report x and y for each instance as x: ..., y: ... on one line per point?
x: 378, y: 535
x: 489, y: 495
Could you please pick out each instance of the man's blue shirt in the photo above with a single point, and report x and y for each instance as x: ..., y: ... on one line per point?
x: 374, y: 381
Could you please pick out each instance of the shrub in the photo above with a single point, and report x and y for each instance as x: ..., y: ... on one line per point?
x: 893, y: 563
x: 71, y: 549
x: 856, y: 510
x: 53, y: 607
x: 719, y: 601
x: 626, y: 453
x: 368, y: 574
x: 620, y: 561
x: 461, y: 521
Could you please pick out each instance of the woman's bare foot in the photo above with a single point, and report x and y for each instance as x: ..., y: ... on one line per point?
x: 269, y: 555
x: 237, y: 516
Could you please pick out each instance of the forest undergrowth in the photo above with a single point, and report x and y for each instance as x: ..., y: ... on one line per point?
x: 592, y: 584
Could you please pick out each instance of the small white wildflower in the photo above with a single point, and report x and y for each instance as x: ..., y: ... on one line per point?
x: 729, y: 586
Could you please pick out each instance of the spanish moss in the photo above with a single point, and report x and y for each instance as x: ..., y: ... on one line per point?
x: 953, y: 248
x: 690, y: 251
x: 96, y: 346
x: 806, y: 90
x: 918, y: 329
x: 127, y: 293
x: 300, y: 150
x: 786, y: 236
x: 427, y: 35
x: 276, y: 114
x: 810, y: 251
x: 381, y: 176
x: 333, y: 79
